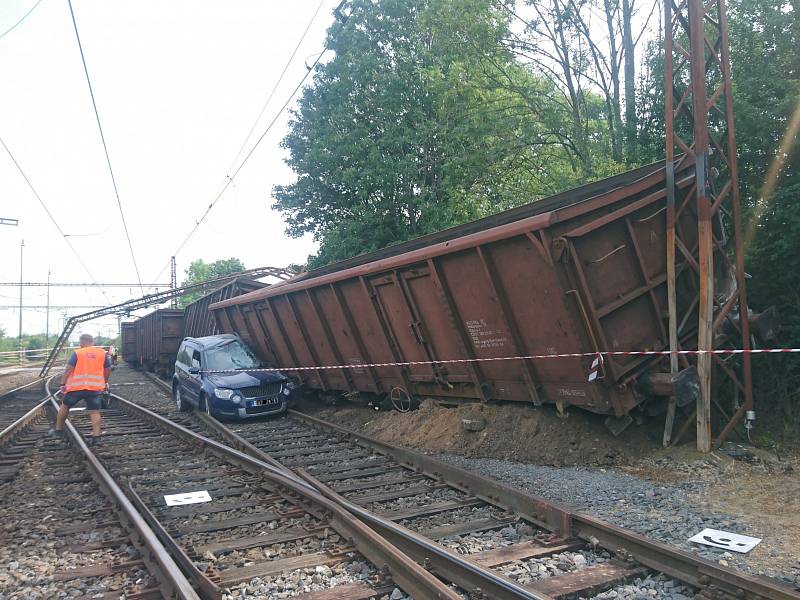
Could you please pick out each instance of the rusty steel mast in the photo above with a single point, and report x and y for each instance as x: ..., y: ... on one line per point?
x: 699, y: 124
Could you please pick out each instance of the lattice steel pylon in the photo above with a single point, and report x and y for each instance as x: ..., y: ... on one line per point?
x: 704, y: 224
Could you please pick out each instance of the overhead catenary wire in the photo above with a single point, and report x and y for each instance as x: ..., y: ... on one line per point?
x: 25, y: 16
x: 53, y: 219
x: 105, y: 147
x: 229, y: 177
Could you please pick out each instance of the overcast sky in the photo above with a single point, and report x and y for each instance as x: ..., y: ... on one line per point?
x: 178, y: 85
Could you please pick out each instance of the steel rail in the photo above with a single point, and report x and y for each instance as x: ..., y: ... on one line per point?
x: 20, y: 388
x: 658, y: 556
x: 22, y: 423
x: 406, y: 573
x: 552, y: 516
x: 446, y: 563
x: 172, y: 581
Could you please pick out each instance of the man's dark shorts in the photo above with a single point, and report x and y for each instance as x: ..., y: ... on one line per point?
x: 91, y: 397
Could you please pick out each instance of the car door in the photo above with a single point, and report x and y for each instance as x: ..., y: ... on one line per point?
x: 194, y: 380
x: 182, y: 369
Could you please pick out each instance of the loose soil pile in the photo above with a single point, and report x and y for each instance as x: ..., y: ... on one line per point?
x: 512, y: 431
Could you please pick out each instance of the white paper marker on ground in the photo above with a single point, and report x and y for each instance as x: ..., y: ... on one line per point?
x: 726, y: 540
x: 187, y: 498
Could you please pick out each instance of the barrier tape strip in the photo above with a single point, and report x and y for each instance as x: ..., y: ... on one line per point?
x: 599, y: 357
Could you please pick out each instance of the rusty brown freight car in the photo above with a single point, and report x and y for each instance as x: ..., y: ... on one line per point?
x: 580, y: 272
x: 128, y: 339
x: 199, y: 321
x: 158, y: 336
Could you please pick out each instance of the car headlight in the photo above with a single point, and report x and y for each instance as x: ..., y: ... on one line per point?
x: 287, y: 391
x: 223, y: 393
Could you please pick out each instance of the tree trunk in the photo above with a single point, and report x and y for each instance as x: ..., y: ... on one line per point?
x: 580, y: 134
x: 612, y: 10
x: 631, y: 127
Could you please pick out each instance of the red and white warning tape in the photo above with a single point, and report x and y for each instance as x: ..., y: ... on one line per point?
x: 597, y: 363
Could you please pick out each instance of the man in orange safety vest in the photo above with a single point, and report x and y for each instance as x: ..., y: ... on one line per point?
x: 85, y: 378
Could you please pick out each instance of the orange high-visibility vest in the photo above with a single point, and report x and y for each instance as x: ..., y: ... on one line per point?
x: 88, y: 371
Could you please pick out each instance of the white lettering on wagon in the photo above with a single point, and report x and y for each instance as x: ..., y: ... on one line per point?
x: 483, y: 337
x: 571, y: 393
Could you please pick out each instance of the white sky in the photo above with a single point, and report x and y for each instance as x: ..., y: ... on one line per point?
x: 178, y: 85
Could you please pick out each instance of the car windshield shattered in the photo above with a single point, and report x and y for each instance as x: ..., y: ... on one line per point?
x: 231, y: 356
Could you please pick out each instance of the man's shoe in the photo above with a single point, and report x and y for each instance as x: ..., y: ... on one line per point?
x: 94, y: 440
x: 56, y: 433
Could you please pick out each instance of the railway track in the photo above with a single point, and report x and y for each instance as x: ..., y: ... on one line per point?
x: 438, y: 513
x: 67, y: 530
x: 260, y: 530
x: 17, y: 401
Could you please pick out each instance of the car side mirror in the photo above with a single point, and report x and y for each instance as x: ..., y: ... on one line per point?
x: 194, y: 371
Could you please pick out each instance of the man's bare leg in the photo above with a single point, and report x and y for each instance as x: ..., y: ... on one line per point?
x: 63, y: 413
x: 97, y: 422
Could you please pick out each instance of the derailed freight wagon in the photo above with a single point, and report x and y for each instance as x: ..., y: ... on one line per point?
x: 199, y: 321
x: 158, y: 336
x: 580, y: 272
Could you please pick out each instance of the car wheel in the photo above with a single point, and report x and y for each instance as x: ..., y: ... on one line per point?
x: 183, y: 406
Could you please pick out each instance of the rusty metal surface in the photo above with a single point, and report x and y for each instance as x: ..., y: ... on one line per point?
x: 584, y: 271
x: 707, y: 228
x: 158, y: 336
x: 199, y: 321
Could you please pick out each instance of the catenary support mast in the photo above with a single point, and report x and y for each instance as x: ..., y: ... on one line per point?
x: 699, y: 125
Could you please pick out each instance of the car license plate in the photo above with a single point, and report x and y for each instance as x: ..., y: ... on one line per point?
x: 266, y: 401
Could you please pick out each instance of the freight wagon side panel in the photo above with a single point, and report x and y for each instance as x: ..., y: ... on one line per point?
x: 200, y: 321
x: 367, y: 329
x: 128, y: 335
x: 584, y: 275
x: 339, y: 336
x: 170, y: 335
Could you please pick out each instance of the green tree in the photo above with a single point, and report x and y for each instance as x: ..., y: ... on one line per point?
x: 200, y: 271
x: 423, y: 119
x: 765, y: 37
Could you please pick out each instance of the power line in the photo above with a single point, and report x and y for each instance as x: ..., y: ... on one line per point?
x: 105, y: 148
x: 25, y: 16
x: 275, y: 87
x: 95, y: 284
x: 228, y: 177
x: 52, y: 218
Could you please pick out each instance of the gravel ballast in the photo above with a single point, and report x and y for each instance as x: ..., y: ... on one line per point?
x: 657, y: 510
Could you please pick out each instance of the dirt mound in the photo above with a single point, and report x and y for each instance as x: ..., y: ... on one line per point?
x: 512, y: 431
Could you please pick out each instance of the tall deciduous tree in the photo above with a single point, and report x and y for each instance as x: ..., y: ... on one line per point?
x: 421, y: 120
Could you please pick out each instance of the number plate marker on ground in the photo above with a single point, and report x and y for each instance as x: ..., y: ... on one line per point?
x: 726, y: 540
x: 187, y: 498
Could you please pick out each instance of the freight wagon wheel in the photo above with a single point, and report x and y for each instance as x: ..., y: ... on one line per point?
x: 401, y: 399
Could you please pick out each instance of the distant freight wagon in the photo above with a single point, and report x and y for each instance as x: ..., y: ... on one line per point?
x: 158, y: 336
x: 580, y: 272
x: 152, y: 342
x: 199, y: 321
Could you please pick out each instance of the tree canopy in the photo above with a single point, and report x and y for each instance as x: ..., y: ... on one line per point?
x: 424, y: 119
x: 200, y: 271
